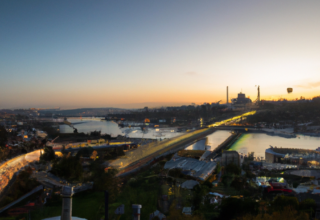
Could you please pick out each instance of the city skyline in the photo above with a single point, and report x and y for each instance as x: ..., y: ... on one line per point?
x: 112, y: 54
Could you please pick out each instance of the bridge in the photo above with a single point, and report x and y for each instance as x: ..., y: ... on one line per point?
x: 143, y: 155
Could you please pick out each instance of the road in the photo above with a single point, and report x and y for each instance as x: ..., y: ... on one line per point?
x: 10, y: 167
x: 143, y: 155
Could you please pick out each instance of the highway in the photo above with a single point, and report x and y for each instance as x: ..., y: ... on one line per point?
x: 230, y: 120
x: 141, y: 156
x: 10, y: 167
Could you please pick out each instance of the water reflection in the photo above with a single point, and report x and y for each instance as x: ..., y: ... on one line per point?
x: 210, y: 142
x: 87, y: 125
x: 259, y: 142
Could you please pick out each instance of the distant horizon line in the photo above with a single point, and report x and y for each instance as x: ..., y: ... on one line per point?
x: 141, y: 105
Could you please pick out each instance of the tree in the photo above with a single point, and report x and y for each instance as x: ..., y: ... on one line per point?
x: 4, y: 153
x: 239, y: 207
x: 232, y: 168
x: 94, y: 155
x: 287, y: 214
x: 316, y: 99
x: 218, y: 168
x: 308, y: 205
x: 295, y: 184
x: 48, y: 154
x: 238, y: 183
x: 68, y: 167
x: 63, y: 150
x: 105, y: 180
x: 250, y: 175
x: 199, y: 192
x: 85, y: 152
x: 95, y: 133
x: 227, y: 179
x: 176, y: 214
x: 3, y: 136
x: 280, y: 202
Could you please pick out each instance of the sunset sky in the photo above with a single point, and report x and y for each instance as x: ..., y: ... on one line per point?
x: 130, y: 53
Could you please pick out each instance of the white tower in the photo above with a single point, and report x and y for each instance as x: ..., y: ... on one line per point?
x: 67, y: 193
x: 136, y: 209
x: 227, y: 95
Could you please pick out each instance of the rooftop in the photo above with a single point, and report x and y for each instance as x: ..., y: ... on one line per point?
x: 195, y: 168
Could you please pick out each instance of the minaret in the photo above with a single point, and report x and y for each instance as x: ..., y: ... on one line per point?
x: 67, y: 193
x: 227, y: 95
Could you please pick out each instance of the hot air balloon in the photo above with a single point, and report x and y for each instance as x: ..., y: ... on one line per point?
x: 289, y: 90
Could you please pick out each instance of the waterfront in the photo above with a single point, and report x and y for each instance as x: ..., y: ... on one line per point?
x: 249, y: 142
x: 87, y: 125
x: 213, y: 140
x: 259, y: 142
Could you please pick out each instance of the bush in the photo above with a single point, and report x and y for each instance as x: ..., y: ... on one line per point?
x: 239, y: 207
x: 307, y: 204
x: 227, y: 179
x: 218, y: 168
x: 250, y: 175
x: 68, y: 168
x: 233, y: 169
x: 281, y: 202
x: 85, y: 152
x: 295, y: 184
x: 23, y: 184
x: 208, y: 184
x: 48, y: 154
x: 237, y: 183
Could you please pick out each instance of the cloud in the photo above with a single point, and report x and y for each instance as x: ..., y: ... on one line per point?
x: 191, y: 73
x: 309, y: 85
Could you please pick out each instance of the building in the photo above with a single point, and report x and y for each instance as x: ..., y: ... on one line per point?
x: 241, y: 101
x: 158, y: 214
x: 230, y: 157
x: 292, y: 156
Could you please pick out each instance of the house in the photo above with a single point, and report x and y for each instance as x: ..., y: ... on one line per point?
x: 187, y: 210
x: 158, y: 214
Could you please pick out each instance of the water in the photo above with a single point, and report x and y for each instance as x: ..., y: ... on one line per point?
x: 259, y: 142
x: 217, y: 137
x: 87, y: 125
x: 199, y: 145
x: 213, y: 140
